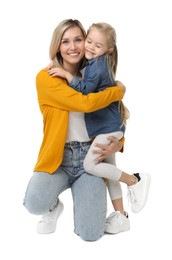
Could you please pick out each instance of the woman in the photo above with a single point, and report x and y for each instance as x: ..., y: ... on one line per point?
x: 66, y: 142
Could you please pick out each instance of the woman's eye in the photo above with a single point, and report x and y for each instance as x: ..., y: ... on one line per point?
x: 78, y: 40
x: 64, y: 42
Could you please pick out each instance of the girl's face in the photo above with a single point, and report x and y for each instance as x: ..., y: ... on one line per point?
x: 72, y: 48
x: 95, y: 44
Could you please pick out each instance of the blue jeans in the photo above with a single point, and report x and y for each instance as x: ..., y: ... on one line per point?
x: 88, y: 192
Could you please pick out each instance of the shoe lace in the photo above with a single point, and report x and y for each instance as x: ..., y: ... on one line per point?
x: 131, y: 196
x: 47, y: 218
x: 117, y: 216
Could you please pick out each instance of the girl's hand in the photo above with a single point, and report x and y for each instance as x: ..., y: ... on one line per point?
x: 54, y: 72
x: 59, y: 72
x: 105, y: 150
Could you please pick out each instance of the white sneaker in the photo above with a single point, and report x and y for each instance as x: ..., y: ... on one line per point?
x: 138, y: 193
x: 47, y: 224
x: 117, y: 222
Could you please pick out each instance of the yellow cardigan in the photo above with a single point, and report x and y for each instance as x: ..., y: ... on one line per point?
x: 56, y: 99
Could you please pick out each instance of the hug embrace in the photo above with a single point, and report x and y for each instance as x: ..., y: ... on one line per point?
x: 84, y: 126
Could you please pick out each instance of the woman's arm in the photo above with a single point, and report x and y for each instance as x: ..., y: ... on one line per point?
x: 56, y: 93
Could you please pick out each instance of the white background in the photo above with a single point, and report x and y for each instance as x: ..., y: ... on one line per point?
x: 145, y: 63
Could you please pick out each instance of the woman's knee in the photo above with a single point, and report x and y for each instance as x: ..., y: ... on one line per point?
x: 90, y: 207
x: 90, y: 234
x: 34, y: 205
x: 38, y: 199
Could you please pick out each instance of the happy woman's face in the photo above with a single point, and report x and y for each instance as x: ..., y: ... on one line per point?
x: 72, y: 47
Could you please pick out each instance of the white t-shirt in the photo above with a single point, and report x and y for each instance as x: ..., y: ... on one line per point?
x: 77, y: 129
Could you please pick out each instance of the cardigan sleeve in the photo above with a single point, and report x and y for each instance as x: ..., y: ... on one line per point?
x: 56, y: 93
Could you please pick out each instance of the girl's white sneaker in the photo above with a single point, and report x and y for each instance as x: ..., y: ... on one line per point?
x: 138, y: 193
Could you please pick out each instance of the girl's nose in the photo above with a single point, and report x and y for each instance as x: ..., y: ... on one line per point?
x: 91, y: 46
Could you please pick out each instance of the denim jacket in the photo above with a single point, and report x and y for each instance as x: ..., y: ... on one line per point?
x: 97, y: 78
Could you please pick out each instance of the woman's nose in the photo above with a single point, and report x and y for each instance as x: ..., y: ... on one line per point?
x: 72, y: 45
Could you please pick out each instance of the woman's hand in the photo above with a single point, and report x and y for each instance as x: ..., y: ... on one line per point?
x: 119, y: 83
x: 114, y: 146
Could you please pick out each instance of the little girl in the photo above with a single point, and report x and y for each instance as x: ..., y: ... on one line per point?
x: 99, y: 73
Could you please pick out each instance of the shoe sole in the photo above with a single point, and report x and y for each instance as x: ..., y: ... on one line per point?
x: 147, y: 184
x: 111, y: 231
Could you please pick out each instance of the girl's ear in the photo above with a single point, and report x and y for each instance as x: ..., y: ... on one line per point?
x: 110, y: 50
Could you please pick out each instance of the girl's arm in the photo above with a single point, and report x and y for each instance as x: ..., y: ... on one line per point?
x: 86, y: 85
x: 59, y: 72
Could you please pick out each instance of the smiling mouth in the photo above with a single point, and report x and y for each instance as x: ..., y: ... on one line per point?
x: 89, y: 52
x: 73, y: 54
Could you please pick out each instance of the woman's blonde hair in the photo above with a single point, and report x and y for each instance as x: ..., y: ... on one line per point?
x: 111, y: 59
x: 62, y: 27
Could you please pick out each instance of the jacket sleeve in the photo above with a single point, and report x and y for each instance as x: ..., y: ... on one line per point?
x: 56, y: 93
x: 88, y: 84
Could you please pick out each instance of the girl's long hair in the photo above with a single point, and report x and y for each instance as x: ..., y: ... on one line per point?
x: 111, y: 59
